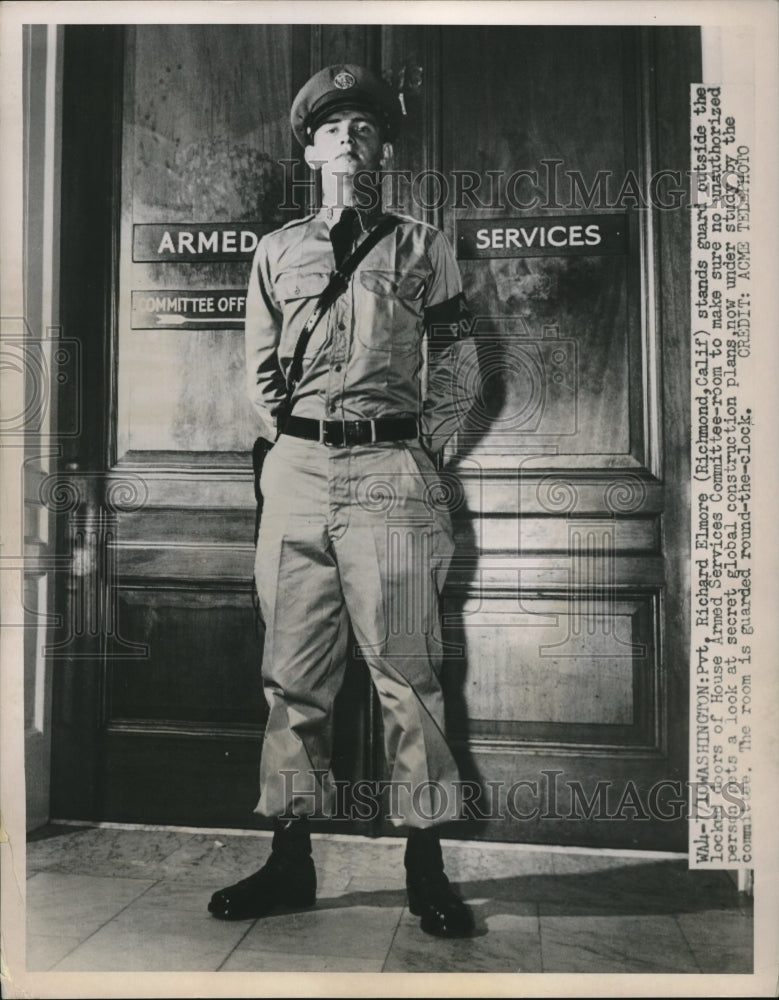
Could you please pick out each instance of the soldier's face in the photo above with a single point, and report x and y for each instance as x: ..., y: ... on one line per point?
x: 347, y: 141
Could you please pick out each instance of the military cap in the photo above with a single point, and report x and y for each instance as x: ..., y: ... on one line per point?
x: 338, y: 87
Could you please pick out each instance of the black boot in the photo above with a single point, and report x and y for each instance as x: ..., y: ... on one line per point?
x: 287, y: 879
x: 430, y: 896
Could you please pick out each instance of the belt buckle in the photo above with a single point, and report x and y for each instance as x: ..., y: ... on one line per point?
x: 351, y: 433
x: 327, y: 427
x: 348, y: 433
x: 354, y: 432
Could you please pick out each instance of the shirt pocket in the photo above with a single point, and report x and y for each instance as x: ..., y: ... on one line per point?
x: 298, y: 292
x: 394, y: 284
x: 291, y: 288
x: 390, y: 307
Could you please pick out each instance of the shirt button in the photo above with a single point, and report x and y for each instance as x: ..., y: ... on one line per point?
x: 342, y: 326
x: 338, y: 367
x: 332, y: 407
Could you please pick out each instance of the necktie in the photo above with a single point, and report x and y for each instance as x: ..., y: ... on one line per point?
x: 342, y: 236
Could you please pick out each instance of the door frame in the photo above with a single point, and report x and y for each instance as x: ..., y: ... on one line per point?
x: 90, y: 173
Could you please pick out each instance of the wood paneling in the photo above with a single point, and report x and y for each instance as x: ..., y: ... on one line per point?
x: 184, y: 731
x: 581, y: 670
x: 206, y: 128
x: 207, y: 122
x: 554, y: 534
x: 224, y: 481
x: 191, y: 778
x: 564, y: 611
x: 567, y: 338
x: 228, y: 529
x: 345, y: 43
x: 411, y: 63
x: 556, y: 606
x: 202, y: 666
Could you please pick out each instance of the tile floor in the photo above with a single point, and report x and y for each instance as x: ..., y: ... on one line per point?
x: 115, y: 899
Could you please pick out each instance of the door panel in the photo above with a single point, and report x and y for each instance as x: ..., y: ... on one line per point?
x: 209, y: 636
x: 206, y: 121
x: 510, y: 95
x: 565, y: 640
x: 559, y: 594
x: 536, y: 683
x: 562, y: 655
x: 564, y: 372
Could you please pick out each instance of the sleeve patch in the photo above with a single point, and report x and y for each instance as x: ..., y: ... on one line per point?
x: 447, y: 322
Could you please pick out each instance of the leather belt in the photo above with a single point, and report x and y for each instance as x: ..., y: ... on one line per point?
x: 345, y: 433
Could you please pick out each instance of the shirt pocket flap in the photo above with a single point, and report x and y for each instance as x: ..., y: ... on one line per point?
x: 301, y: 286
x: 401, y: 284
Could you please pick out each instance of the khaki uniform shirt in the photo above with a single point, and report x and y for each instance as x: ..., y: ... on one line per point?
x: 364, y: 359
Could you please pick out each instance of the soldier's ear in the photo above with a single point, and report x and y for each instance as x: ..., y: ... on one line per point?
x: 386, y: 154
x: 308, y: 156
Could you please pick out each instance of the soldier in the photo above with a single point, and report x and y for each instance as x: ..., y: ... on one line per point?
x: 349, y: 471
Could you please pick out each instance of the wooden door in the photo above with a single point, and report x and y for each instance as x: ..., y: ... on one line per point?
x: 566, y: 679
x: 564, y: 616
x: 159, y: 707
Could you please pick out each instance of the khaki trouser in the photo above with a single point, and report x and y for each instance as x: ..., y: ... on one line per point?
x: 353, y: 534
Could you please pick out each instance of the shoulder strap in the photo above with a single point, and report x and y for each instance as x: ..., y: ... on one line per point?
x: 337, y: 285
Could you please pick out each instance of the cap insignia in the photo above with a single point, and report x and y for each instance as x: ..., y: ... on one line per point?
x: 344, y: 80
